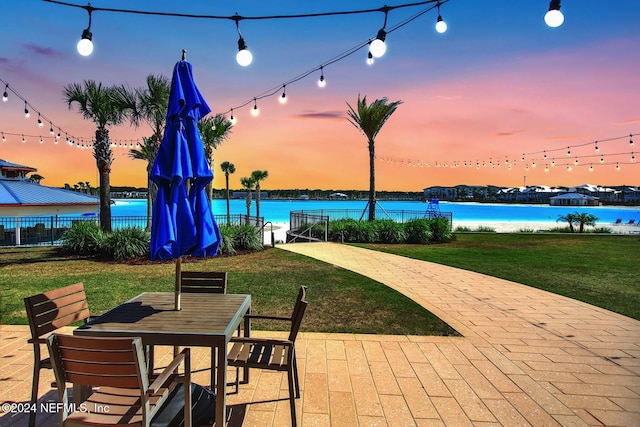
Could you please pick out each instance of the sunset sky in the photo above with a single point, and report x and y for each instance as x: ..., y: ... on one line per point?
x: 498, y: 84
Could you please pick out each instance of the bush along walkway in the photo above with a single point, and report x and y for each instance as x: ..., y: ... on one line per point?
x: 527, y: 357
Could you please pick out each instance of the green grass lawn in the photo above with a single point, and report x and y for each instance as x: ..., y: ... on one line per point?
x: 339, y: 300
x: 600, y: 270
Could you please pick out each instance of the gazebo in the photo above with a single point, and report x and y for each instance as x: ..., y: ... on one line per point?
x: 20, y: 197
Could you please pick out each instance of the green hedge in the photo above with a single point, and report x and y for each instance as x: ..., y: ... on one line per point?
x: 85, y: 238
x: 387, y: 231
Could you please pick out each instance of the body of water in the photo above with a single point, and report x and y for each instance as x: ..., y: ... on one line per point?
x: 278, y: 210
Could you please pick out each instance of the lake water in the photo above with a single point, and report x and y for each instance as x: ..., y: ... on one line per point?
x: 278, y: 210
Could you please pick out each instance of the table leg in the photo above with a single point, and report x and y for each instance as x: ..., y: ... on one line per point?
x: 221, y: 386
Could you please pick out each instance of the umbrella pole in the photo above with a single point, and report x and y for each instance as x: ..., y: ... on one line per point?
x: 178, y: 290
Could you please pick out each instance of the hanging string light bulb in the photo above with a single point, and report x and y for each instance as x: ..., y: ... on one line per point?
x: 5, y: 94
x: 630, y: 140
x: 568, y: 151
x: 283, y: 97
x: 441, y: 26
x: 377, y: 46
x: 26, y: 110
x: 617, y: 166
x: 41, y: 141
x: 85, y: 45
x: 23, y: 140
x: 4, y: 138
x: 244, y: 57
x: 321, y: 81
x: 369, y: 58
x: 597, y: 148
x: 50, y: 128
x: 255, y: 111
x: 554, y: 18
x: 633, y: 158
x: 601, y: 159
x: 39, y: 121
x: 232, y: 119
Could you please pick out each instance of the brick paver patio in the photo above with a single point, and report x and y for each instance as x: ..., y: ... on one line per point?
x: 527, y: 357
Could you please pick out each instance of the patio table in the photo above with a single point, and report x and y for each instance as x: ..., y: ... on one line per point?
x: 206, y: 320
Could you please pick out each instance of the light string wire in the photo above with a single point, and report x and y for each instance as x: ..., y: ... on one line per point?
x: 237, y: 17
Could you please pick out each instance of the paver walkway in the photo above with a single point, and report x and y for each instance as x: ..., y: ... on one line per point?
x: 527, y: 357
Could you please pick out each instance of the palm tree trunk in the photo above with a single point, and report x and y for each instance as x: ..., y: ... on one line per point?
x: 372, y: 181
x: 226, y: 176
x: 258, y: 200
x: 104, y: 157
x: 248, y: 204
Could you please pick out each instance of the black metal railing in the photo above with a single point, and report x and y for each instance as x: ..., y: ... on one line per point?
x: 357, y: 214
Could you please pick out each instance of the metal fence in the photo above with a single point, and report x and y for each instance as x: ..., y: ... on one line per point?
x: 304, y: 226
x: 357, y: 214
x: 47, y: 230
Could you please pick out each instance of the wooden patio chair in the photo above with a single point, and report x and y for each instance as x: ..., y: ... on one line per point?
x: 273, y: 354
x: 47, y: 312
x: 209, y: 282
x: 126, y: 395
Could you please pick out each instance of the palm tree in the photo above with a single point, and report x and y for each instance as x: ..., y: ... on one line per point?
x: 213, y: 131
x: 228, y: 168
x: 369, y: 119
x: 569, y: 218
x: 258, y: 176
x: 100, y: 105
x: 247, y: 183
x: 585, y: 219
x: 148, y: 106
x: 146, y: 153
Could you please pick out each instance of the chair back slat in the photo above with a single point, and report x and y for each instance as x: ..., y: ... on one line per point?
x: 54, y: 309
x: 212, y: 282
x: 110, y: 362
x: 298, y: 313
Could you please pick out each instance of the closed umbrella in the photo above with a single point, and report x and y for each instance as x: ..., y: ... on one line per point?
x: 182, y: 220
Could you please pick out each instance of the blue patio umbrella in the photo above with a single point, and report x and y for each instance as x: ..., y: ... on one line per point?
x: 182, y: 220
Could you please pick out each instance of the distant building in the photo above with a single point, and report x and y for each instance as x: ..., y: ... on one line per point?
x: 574, y: 199
x: 243, y: 195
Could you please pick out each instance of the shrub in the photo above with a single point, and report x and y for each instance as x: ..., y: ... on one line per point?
x: 126, y: 243
x: 391, y: 232
x: 485, y: 229
x: 418, y: 231
x: 462, y: 229
x: 84, y: 238
x: 367, y: 232
x: 246, y: 237
x: 604, y: 230
x: 227, y: 232
x: 346, y: 227
x: 440, y: 230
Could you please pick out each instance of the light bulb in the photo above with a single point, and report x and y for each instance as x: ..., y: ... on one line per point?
x: 283, y: 98
x: 377, y: 48
x: 232, y: 119
x: 4, y: 138
x: 85, y: 45
x: 568, y: 151
x: 554, y: 18
x: 244, y: 57
x: 41, y: 141
x: 58, y: 136
x: 591, y: 168
x: 602, y: 159
x: 322, y: 82
x: 39, y: 121
x: 441, y: 26
x: 255, y: 111
x: 617, y: 166
x: 26, y: 110
x: 50, y: 129
x: 23, y: 140
x: 369, y: 58
x: 630, y: 141
x: 5, y: 94
x: 633, y: 158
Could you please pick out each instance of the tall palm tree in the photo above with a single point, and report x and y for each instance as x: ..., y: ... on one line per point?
x: 213, y: 131
x: 100, y: 105
x: 228, y: 168
x: 146, y: 153
x: 148, y: 106
x: 258, y: 176
x: 247, y: 183
x: 369, y: 119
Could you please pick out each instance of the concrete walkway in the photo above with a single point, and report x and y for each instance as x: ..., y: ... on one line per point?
x: 527, y: 357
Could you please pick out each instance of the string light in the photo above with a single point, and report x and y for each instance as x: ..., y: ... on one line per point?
x: 568, y: 151
x: 39, y: 121
x: 255, y: 111
x: 85, y: 45
x: 554, y: 18
x: 244, y: 57
x: 26, y: 110
x: 232, y: 119
x: 4, y: 138
x: 617, y: 166
x: 630, y: 140
x: 50, y: 128
x: 597, y: 149
x: 283, y: 97
x: 321, y: 81
x: 23, y: 140
x: 5, y: 94
x: 633, y: 158
x: 441, y: 26
x: 377, y: 46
